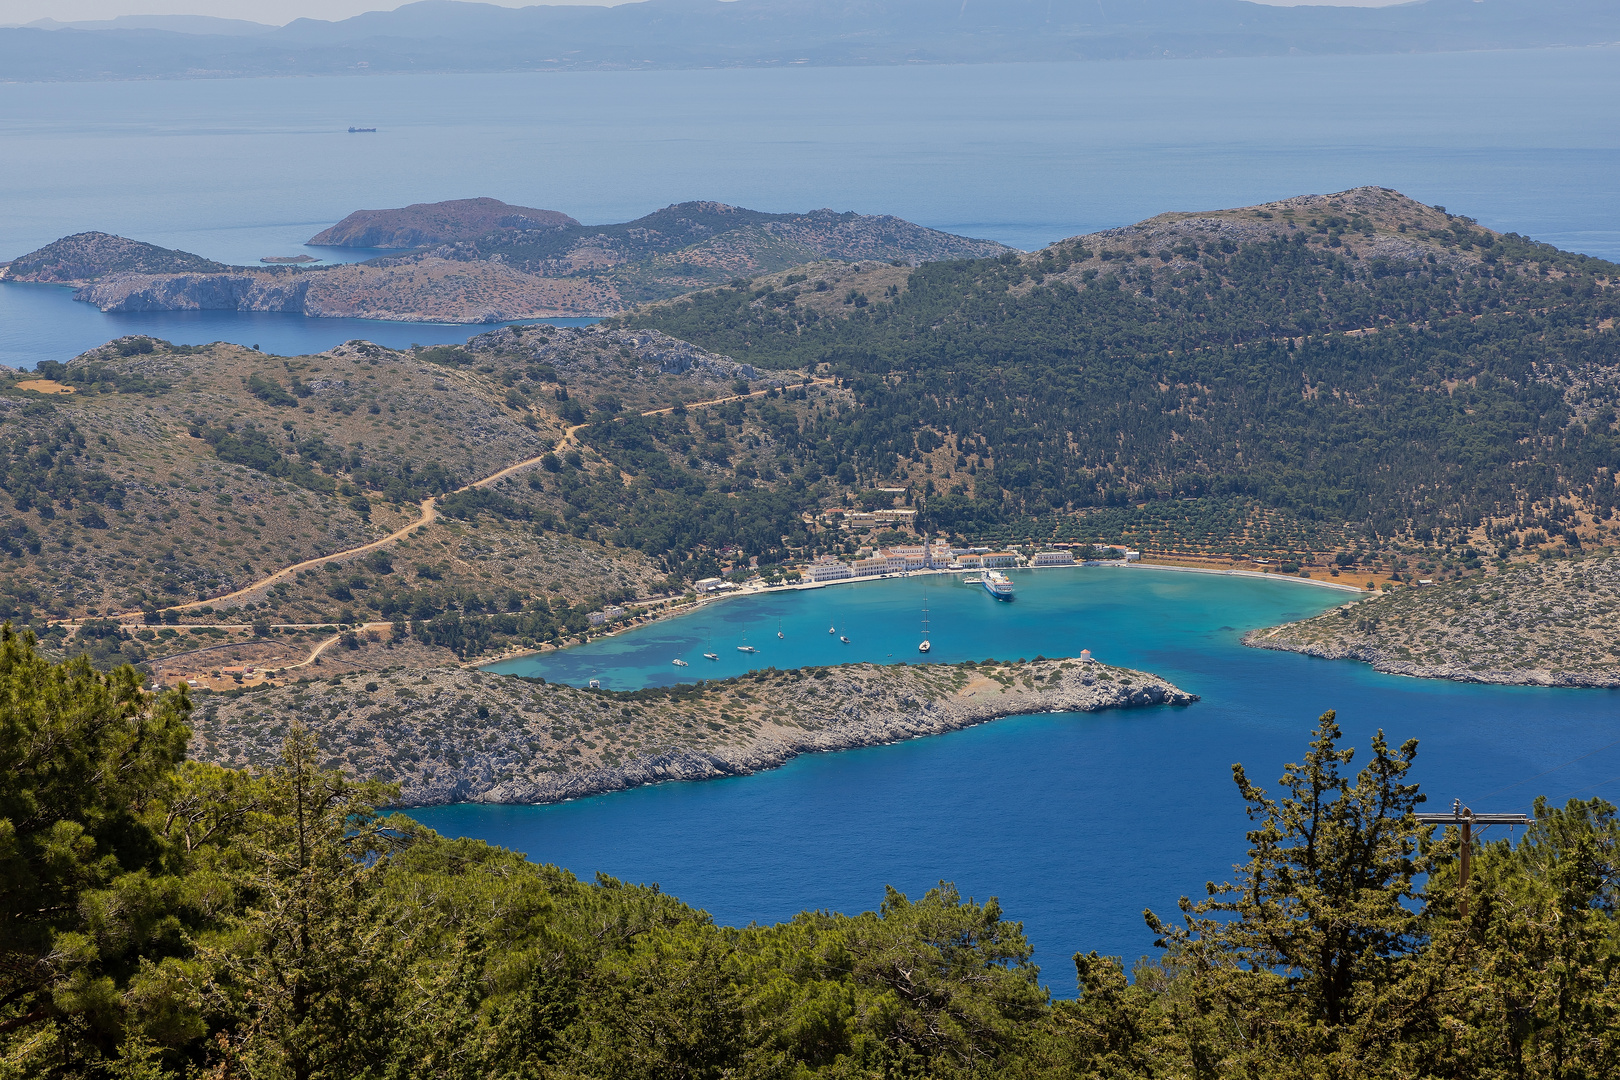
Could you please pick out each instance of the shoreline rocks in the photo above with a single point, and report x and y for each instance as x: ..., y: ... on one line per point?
x: 457, y: 735
x: 1387, y: 664
x: 1552, y: 623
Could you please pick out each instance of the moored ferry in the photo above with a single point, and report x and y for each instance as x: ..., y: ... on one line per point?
x: 997, y: 584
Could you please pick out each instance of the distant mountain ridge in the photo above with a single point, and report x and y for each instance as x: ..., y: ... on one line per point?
x: 444, y: 35
x: 177, y: 24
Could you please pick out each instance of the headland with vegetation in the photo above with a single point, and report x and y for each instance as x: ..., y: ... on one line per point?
x: 1553, y: 622
x: 459, y: 735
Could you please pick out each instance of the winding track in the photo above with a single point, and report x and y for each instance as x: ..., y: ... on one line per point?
x: 430, y: 512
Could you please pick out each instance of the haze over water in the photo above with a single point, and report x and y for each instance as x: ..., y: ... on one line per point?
x: 1026, y: 154
x: 1075, y: 821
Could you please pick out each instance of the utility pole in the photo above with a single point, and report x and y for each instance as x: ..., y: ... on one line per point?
x: 1465, y: 819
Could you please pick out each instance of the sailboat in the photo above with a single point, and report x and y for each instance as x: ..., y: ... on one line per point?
x: 832, y: 629
x: 711, y: 655
x: 925, y: 646
x: 745, y: 647
x: 680, y: 663
x: 779, y: 633
x: 844, y: 638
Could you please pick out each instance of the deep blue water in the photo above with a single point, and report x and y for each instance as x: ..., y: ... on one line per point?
x: 44, y: 322
x: 1076, y: 822
x: 1026, y: 154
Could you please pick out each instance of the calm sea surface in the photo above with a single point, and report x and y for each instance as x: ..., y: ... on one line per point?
x: 1026, y: 154
x: 1076, y: 822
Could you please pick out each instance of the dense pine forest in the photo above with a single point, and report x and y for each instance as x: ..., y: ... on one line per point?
x: 165, y: 918
x: 1396, y: 367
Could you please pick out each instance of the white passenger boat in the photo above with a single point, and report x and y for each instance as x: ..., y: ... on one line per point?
x: 997, y: 584
x: 680, y: 663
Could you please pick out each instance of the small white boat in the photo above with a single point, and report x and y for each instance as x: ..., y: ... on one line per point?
x: 746, y: 648
x: 680, y: 663
x: 844, y: 639
x: 832, y: 629
x: 711, y: 656
x: 925, y: 646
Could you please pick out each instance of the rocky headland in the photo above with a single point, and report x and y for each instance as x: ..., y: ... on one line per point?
x: 460, y: 735
x: 484, y: 261
x: 1553, y: 623
x: 420, y: 290
x: 86, y: 256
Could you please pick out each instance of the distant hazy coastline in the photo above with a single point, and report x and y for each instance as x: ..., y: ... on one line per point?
x: 446, y: 37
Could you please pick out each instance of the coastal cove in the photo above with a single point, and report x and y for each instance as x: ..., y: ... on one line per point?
x: 1076, y: 822
x: 44, y: 322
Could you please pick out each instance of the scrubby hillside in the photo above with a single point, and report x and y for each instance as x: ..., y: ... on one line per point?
x: 421, y: 224
x: 453, y: 735
x: 1356, y: 360
x: 178, y: 476
x: 82, y: 257
x: 1547, y: 623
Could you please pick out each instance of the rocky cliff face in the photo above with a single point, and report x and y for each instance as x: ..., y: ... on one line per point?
x: 425, y: 224
x: 454, y: 735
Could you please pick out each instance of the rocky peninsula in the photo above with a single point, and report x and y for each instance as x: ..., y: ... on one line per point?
x: 464, y: 735
x: 1547, y: 623
x: 485, y: 261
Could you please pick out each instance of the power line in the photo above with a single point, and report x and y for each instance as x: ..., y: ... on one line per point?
x: 1554, y: 769
x: 1592, y: 787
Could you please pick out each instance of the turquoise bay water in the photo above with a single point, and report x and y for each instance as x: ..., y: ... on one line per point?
x: 1076, y: 822
x: 1025, y: 154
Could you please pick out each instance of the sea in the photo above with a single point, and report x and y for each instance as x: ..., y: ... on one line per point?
x: 236, y: 170
x: 1076, y: 823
